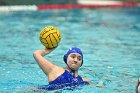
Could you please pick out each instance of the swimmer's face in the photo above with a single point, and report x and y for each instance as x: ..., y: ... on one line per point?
x: 74, y: 61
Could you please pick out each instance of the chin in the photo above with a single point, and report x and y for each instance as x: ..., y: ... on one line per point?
x: 74, y: 68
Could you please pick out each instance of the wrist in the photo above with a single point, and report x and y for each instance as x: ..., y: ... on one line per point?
x: 41, y: 52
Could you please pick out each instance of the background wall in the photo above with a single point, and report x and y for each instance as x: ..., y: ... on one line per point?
x: 42, y: 2
x: 36, y: 2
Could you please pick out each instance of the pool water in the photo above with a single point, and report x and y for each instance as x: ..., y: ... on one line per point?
x: 109, y: 38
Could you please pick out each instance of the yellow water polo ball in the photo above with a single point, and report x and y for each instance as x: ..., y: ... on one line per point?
x: 50, y: 36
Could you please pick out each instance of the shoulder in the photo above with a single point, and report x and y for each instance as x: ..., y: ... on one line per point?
x: 55, y: 72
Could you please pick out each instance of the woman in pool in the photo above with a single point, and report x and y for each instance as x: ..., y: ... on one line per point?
x: 59, y: 77
x: 138, y: 86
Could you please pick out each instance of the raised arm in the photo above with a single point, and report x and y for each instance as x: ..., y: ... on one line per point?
x: 45, y: 65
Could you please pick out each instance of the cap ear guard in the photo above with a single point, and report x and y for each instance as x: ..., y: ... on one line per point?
x: 65, y: 59
x: 82, y: 63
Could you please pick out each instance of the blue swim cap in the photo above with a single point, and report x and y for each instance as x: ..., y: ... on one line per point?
x: 73, y: 50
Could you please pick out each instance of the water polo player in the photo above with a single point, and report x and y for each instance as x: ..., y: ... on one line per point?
x: 138, y: 86
x: 59, y: 77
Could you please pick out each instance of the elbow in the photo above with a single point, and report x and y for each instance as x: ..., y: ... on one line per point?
x: 35, y: 53
x: 39, y: 53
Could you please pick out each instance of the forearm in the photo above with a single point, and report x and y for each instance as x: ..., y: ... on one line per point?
x: 45, y: 65
x: 42, y: 52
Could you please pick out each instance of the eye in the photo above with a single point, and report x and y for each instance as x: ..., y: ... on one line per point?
x: 79, y: 58
x: 73, y: 56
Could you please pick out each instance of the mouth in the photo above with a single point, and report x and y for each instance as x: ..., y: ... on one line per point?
x: 74, y: 64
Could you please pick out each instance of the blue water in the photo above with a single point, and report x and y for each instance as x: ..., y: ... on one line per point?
x: 109, y: 38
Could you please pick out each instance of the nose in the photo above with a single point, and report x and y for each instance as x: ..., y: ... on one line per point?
x: 75, y: 60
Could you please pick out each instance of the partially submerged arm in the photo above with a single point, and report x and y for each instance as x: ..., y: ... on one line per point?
x: 93, y: 84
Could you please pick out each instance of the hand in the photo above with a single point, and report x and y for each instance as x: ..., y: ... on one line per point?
x: 48, y: 50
